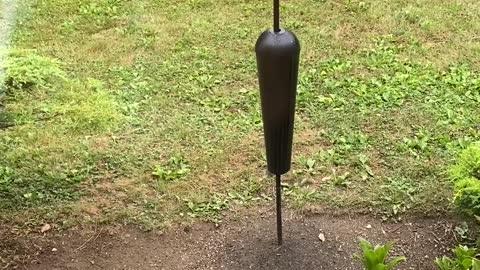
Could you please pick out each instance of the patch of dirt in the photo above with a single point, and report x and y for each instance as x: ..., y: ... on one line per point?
x: 248, y: 242
x: 309, y: 142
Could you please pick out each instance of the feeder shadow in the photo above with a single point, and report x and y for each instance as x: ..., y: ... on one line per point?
x: 258, y: 250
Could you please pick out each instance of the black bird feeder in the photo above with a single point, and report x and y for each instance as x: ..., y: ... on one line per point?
x: 278, y: 52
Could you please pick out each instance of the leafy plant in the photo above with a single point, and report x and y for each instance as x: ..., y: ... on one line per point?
x: 466, y: 173
x: 88, y: 106
x: 176, y: 168
x: 465, y: 259
x: 462, y: 230
x: 340, y: 180
x: 210, y: 209
x: 356, y: 6
x: 363, y: 163
x: 375, y: 257
x: 307, y: 166
x: 301, y: 195
x: 418, y: 143
x: 331, y: 156
x: 397, y: 196
x: 26, y: 69
x: 6, y: 177
x: 468, y: 164
x: 101, y: 12
x: 467, y: 196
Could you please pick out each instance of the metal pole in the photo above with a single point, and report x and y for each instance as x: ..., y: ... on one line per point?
x: 278, y: 189
x: 276, y: 15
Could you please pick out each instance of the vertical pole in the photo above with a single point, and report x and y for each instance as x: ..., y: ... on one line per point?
x: 278, y: 189
x: 276, y: 15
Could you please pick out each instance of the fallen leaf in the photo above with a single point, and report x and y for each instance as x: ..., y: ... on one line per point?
x: 321, y: 237
x: 326, y: 178
x: 45, y: 228
x: 311, y: 163
x: 369, y: 170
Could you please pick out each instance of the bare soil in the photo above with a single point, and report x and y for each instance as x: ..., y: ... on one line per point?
x: 247, y: 242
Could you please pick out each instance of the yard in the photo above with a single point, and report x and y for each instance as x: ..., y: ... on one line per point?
x: 130, y: 116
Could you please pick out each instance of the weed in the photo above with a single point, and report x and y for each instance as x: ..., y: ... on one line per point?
x: 87, y: 107
x: 399, y: 195
x: 462, y: 230
x: 101, y: 12
x: 349, y: 142
x: 468, y: 164
x: 363, y: 163
x: 356, y: 6
x: 375, y: 257
x: 6, y: 177
x: 176, y: 168
x: 245, y: 192
x: 465, y: 259
x: 46, y: 183
x: 418, y: 143
x: 307, y: 166
x: 210, y: 209
x: 341, y: 180
x: 331, y: 156
x: 409, y: 16
x: 466, y: 174
x: 25, y: 70
x: 300, y: 195
x: 294, y: 25
x: 467, y: 195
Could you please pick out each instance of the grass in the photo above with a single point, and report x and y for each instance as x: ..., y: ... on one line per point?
x: 145, y: 112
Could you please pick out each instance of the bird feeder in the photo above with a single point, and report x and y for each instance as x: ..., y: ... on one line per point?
x: 278, y: 52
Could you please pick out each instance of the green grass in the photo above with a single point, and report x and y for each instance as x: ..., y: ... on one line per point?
x: 388, y: 94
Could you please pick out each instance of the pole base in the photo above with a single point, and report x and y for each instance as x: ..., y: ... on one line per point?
x: 278, y: 197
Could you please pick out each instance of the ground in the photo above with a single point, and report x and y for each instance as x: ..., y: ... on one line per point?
x: 244, y: 242
x: 146, y: 113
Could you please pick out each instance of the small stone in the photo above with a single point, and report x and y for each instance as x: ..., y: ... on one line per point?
x: 45, y: 228
x: 368, y: 226
x: 54, y: 249
x: 321, y: 237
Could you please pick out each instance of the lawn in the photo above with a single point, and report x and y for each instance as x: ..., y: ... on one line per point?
x: 147, y: 112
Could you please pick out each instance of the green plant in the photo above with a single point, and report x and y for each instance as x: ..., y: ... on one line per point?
x: 356, y: 6
x: 331, y: 156
x: 462, y: 230
x: 87, y: 106
x: 466, y: 174
x: 307, y: 166
x: 101, y: 12
x: 397, y: 196
x: 25, y: 70
x: 246, y: 191
x: 176, y: 168
x: 210, y: 209
x: 419, y: 143
x: 467, y: 195
x: 363, y: 163
x: 375, y: 257
x: 6, y: 177
x: 341, y: 180
x: 409, y: 16
x: 468, y: 164
x: 465, y: 259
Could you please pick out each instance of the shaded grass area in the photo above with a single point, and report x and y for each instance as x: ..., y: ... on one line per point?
x: 146, y: 111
